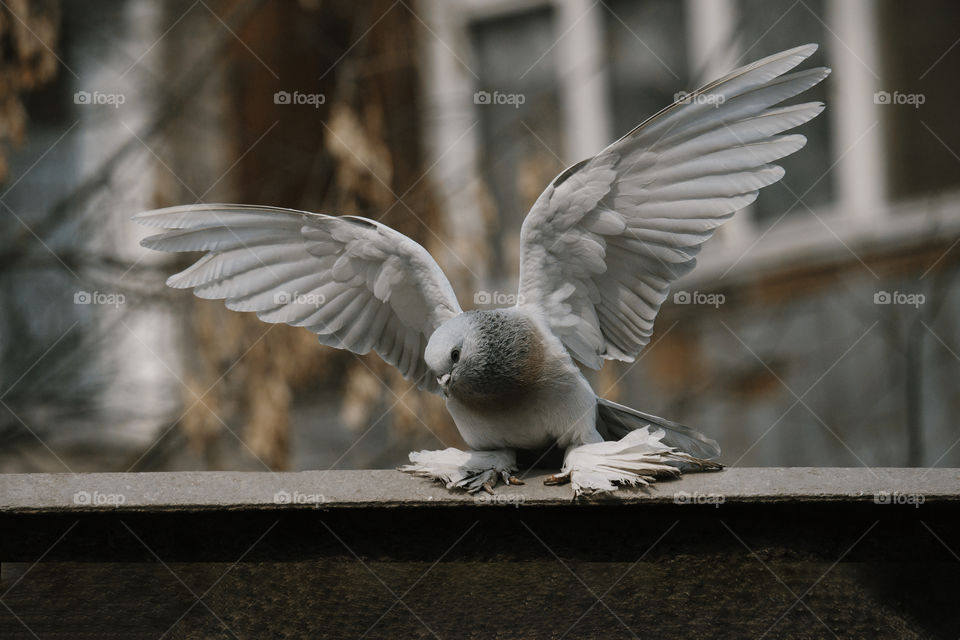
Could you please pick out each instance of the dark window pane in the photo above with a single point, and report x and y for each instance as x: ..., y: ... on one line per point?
x: 923, y: 141
x: 766, y: 27
x: 647, y: 56
x: 518, y: 106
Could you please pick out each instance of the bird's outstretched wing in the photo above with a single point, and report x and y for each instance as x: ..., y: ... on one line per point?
x: 356, y: 283
x: 602, y: 244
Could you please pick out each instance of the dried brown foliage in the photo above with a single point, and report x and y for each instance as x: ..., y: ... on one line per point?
x: 28, y: 36
x: 358, y: 153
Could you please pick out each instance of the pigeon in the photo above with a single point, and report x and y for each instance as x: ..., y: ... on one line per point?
x: 599, y: 250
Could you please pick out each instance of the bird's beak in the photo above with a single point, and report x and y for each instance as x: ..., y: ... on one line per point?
x: 444, y: 382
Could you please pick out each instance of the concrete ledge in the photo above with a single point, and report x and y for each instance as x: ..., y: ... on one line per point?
x: 196, y: 491
x: 798, y: 553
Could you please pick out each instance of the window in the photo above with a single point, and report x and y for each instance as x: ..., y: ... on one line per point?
x: 517, y: 104
x: 922, y: 64
x: 646, y: 57
x: 765, y: 27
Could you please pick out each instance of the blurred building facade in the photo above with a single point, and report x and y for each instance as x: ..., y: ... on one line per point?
x: 820, y: 329
x: 821, y: 326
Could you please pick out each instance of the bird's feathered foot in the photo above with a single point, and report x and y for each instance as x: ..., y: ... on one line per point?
x: 638, y: 458
x: 471, y: 471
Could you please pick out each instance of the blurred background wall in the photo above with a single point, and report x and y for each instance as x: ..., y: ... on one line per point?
x: 820, y: 329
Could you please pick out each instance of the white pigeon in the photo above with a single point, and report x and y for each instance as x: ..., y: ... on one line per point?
x: 599, y: 250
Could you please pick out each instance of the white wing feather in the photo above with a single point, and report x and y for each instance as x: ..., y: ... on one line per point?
x: 602, y: 244
x: 356, y: 283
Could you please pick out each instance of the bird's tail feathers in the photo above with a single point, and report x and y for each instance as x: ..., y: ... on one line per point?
x: 614, y: 421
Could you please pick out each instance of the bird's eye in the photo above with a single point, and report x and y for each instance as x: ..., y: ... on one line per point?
x: 455, y: 354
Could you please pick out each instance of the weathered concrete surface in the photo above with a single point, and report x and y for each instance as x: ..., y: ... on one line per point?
x: 338, y: 489
x: 745, y: 553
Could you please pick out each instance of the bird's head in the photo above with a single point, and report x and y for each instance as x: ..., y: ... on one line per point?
x: 485, y: 357
x: 450, y: 350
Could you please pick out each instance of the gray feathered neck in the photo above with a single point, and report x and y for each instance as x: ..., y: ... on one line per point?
x: 508, y: 359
